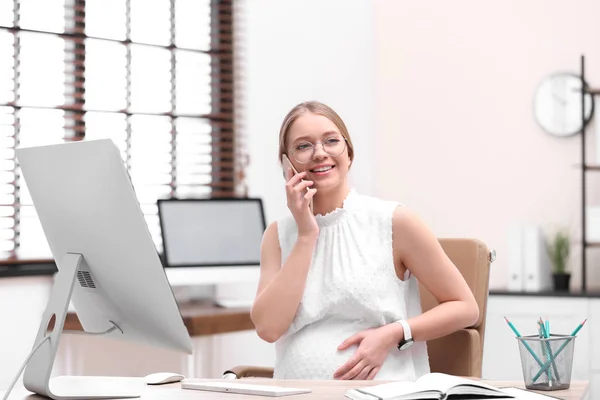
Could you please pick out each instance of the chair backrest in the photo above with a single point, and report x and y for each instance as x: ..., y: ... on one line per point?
x: 461, y: 353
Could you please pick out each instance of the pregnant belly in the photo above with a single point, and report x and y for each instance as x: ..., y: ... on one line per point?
x: 312, y: 353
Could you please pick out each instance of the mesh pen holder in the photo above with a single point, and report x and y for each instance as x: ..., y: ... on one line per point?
x: 547, y: 362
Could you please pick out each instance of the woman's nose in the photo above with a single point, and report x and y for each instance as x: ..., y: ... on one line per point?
x: 319, y: 151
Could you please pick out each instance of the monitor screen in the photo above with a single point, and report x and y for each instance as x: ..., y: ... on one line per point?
x: 211, y: 232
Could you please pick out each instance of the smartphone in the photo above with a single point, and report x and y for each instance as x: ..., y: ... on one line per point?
x: 286, y: 163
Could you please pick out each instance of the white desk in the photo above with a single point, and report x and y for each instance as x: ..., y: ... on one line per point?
x: 321, y: 390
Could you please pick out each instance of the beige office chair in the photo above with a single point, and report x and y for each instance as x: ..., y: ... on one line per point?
x: 460, y: 353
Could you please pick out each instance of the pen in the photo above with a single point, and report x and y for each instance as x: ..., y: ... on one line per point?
x: 546, y: 365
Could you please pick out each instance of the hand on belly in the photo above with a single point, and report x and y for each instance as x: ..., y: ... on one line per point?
x: 374, y: 346
x: 314, y: 352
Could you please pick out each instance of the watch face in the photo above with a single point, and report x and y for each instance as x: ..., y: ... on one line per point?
x: 557, y: 104
x: 405, y: 345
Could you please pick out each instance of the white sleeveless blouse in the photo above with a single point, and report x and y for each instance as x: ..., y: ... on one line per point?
x: 351, y: 286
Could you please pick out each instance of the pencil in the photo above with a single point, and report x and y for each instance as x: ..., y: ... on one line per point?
x: 561, y: 348
x: 548, y: 350
x: 540, y: 363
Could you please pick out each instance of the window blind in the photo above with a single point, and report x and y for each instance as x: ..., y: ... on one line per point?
x: 154, y: 76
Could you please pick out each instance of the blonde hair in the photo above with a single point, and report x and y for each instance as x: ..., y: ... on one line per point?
x: 318, y: 108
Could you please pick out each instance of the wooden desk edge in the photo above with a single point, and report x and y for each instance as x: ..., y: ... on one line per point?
x: 200, y: 319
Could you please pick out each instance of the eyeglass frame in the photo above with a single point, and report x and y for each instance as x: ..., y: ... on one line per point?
x: 291, y: 151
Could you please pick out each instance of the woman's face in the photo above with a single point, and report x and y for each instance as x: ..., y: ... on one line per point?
x: 328, y: 165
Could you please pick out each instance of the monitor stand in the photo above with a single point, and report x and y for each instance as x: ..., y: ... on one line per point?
x: 226, y: 294
x: 39, y: 365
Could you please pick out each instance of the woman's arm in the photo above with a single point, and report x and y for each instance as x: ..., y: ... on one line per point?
x: 280, y: 288
x: 418, y: 249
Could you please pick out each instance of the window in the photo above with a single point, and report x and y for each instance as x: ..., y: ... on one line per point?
x: 154, y: 76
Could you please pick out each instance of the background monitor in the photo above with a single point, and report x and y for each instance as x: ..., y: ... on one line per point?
x: 211, y: 232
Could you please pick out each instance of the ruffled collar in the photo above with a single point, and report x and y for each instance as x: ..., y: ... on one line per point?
x: 333, y: 216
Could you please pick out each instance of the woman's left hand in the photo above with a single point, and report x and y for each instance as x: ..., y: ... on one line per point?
x: 373, y: 347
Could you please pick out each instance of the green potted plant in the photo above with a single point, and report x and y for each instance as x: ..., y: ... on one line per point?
x: 559, y: 247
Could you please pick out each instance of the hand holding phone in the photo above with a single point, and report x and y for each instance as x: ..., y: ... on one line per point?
x: 299, y: 194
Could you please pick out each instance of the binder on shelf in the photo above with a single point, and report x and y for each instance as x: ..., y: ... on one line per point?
x: 515, y: 259
x: 593, y: 224
x: 529, y: 266
x: 536, y: 262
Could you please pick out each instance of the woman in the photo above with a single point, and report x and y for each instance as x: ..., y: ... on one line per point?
x: 338, y: 290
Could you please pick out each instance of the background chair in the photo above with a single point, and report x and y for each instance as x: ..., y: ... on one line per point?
x: 460, y: 353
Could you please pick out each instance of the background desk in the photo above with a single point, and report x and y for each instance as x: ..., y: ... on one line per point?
x: 217, y: 334
x: 221, y: 337
x: 200, y: 319
x: 321, y: 390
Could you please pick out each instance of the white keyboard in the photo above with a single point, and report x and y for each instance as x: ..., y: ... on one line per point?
x: 241, y: 388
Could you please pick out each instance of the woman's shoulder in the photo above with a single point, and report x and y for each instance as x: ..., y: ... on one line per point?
x: 286, y: 229
x: 408, y: 226
x: 286, y: 223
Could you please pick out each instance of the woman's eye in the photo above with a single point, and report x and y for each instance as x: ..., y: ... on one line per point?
x: 303, y: 146
x: 332, y: 141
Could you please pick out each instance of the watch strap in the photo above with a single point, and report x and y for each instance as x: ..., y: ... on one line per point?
x: 406, y: 329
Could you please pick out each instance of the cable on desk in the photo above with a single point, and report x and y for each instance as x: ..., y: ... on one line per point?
x: 12, y: 385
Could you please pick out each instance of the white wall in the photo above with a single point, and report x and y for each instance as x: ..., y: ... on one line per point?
x: 456, y: 137
x: 306, y: 50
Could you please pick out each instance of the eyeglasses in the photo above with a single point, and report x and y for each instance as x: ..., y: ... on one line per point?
x: 303, y: 152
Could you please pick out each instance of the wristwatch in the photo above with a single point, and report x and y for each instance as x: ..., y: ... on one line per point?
x: 408, y: 340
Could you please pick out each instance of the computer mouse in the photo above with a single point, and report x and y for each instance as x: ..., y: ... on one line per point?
x: 160, y: 378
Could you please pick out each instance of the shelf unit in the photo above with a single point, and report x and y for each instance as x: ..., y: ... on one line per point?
x: 585, y: 168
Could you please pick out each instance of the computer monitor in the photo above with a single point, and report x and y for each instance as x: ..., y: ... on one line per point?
x: 213, y: 242
x: 108, y: 266
x: 211, y: 232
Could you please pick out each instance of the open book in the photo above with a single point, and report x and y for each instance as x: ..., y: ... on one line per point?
x: 429, y: 386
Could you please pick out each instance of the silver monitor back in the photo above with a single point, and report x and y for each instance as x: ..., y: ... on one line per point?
x: 87, y: 205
